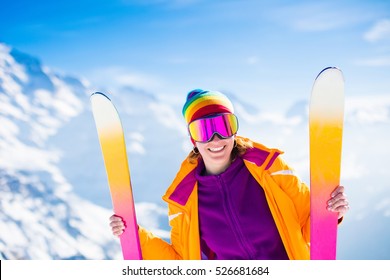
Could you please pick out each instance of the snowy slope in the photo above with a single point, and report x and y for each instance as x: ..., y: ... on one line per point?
x: 41, y: 217
x: 39, y: 222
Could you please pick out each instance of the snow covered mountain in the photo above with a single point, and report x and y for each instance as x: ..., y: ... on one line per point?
x: 54, y: 199
x: 41, y: 214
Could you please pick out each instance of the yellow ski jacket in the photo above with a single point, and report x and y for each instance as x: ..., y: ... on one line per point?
x: 287, y: 197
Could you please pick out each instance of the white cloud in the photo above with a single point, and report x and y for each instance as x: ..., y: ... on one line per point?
x: 136, y: 143
x: 374, y: 61
x: 136, y: 148
x: 136, y: 136
x: 316, y: 16
x: 368, y: 109
x: 380, y: 31
x: 167, y: 116
x: 351, y: 167
x: 116, y: 77
x: 384, y: 206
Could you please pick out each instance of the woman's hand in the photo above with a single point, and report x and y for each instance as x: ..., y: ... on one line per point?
x: 117, y: 225
x: 338, y: 202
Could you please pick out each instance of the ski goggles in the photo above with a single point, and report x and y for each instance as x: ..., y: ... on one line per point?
x: 203, y: 130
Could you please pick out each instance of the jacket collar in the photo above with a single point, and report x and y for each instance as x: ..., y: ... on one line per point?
x: 184, y: 189
x: 185, y: 181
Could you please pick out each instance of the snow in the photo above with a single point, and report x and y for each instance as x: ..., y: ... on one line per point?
x: 8, y: 129
x: 37, y: 203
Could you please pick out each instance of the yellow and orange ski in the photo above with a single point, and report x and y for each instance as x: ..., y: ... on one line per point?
x: 326, y: 117
x: 112, y: 143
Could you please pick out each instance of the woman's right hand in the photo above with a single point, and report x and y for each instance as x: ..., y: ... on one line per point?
x: 117, y: 225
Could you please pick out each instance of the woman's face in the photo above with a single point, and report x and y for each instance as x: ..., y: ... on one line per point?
x: 216, y: 154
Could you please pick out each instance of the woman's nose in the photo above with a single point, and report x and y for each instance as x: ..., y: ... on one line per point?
x: 215, y: 137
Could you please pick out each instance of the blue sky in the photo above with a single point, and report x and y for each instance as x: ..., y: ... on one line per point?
x: 266, y: 51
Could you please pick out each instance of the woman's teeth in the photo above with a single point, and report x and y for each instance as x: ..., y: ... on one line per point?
x: 216, y: 149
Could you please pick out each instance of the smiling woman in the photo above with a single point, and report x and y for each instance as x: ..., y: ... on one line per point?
x: 232, y: 198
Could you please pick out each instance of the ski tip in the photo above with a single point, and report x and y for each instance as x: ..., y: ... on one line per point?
x: 100, y: 93
x: 328, y: 68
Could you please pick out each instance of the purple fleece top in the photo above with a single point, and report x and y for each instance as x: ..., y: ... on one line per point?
x: 234, y: 216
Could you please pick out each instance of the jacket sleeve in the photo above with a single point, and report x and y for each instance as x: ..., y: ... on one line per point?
x: 298, y: 192
x: 155, y: 248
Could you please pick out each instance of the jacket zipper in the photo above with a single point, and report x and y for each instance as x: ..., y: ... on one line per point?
x: 233, y: 220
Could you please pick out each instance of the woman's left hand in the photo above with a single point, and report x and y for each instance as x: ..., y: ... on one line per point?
x: 338, y: 202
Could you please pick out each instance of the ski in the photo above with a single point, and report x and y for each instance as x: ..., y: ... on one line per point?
x: 112, y: 143
x: 326, y: 115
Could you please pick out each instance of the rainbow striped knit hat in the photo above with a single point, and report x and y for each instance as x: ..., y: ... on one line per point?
x: 201, y: 103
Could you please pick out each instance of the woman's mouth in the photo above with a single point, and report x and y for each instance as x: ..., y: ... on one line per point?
x: 215, y: 150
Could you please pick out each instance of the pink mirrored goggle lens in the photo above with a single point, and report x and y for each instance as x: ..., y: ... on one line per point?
x: 203, y: 130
